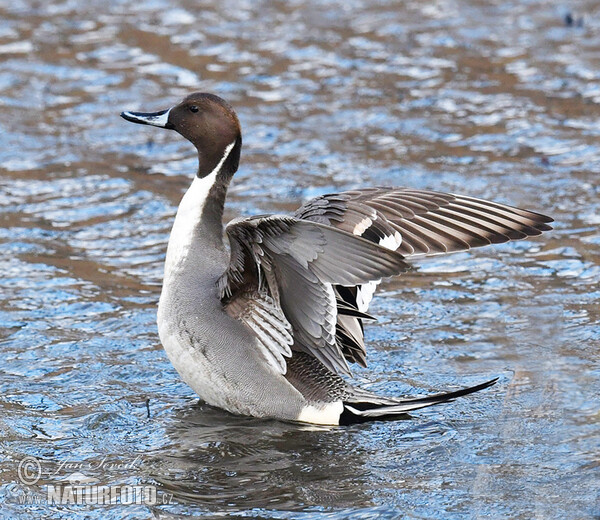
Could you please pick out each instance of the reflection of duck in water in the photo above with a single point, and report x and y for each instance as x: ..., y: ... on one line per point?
x: 267, y: 328
x: 224, y: 462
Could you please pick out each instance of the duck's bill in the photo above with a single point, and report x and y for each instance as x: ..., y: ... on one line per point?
x: 160, y: 119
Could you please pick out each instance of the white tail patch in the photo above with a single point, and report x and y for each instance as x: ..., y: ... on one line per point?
x: 327, y: 414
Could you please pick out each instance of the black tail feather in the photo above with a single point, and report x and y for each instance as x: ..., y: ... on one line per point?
x: 364, y: 410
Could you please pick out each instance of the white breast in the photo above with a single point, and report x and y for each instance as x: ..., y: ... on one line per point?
x: 190, y: 363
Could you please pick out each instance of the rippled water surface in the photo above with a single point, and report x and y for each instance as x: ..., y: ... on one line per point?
x: 495, y: 99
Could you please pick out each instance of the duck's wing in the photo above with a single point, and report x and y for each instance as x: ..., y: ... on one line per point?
x: 414, y: 223
x: 421, y: 222
x: 280, y: 283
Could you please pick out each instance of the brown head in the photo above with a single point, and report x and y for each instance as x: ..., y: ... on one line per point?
x: 209, y: 123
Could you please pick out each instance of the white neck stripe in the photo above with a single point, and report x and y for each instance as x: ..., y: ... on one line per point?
x: 220, y: 164
x: 189, y: 215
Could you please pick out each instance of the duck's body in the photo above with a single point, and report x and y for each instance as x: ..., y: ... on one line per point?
x: 265, y: 327
x: 212, y: 351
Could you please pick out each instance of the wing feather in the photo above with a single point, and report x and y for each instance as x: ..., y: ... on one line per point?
x: 290, y: 268
x: 260, y: 313
x: 412, y: 222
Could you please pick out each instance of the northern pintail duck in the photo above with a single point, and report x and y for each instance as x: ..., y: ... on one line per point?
x: 268, y: 325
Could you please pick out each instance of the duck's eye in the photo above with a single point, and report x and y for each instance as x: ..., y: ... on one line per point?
x: 194, y: 108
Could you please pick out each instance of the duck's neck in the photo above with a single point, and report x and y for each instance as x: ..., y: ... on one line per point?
x: 199, y: 220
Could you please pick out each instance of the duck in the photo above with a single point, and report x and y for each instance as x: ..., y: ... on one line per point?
x: 263, y: 317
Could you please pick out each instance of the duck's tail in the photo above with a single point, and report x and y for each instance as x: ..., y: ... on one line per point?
x: 364, y: 406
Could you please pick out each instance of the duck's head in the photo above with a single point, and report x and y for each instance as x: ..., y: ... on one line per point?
x: 209, y: 123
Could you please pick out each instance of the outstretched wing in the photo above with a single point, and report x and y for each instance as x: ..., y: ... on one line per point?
x: 280, y: 283
x: 421, y: 222
x: 414, y: 223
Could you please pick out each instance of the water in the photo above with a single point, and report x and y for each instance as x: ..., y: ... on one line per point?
x: 493, y: 99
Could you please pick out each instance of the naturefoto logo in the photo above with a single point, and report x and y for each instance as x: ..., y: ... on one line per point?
x: 78, y: 488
